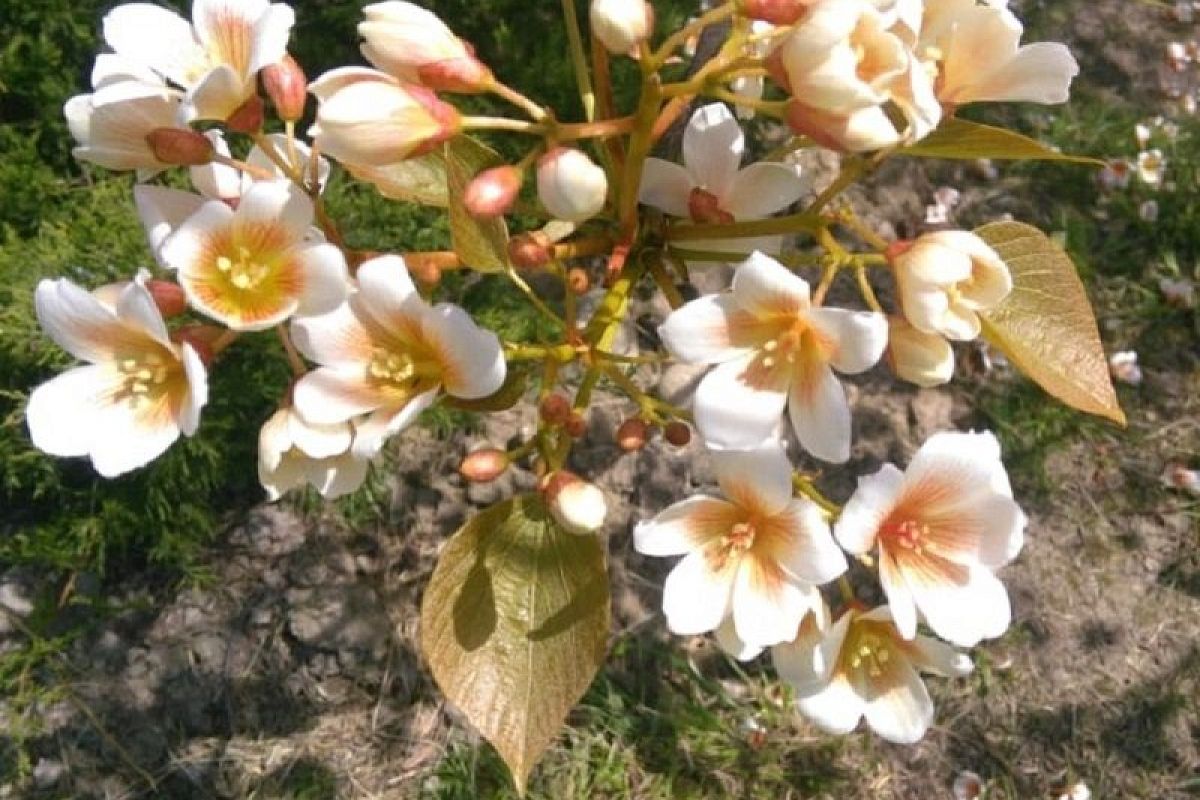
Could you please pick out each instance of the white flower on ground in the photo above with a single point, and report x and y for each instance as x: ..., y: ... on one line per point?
x: 293, y: 452
x: 215, y: 58
x: 414, y: 45
x: 138, y: 392
x: 862, y: 667
x: 253, y: 267
x: 712, y: 187
x: 941, y: 528
x: 773, y: 349
x: 386, y: 354
x: 1123, y: 366
x: 756, y: 557
x: 977, y: 53
x: 110, y: 126
x: 946, y: 279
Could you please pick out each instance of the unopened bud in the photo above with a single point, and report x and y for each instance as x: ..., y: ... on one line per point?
x: 621, y: 25
x: 169, y: 297
x: 578, y: 506
x: 287, y: 86
x: 484, y: 465
x: 575, y: 426
x: 897, y: 249
x: 632, y: 435
x: 425, y: 268
x: 493, y: 192
x: 530, y: 250
x: 248, y: 118
x: 181, y: 146
x: 776, y: 12
x: 677, y: 433
x: 570, y: 185
x: 200, y: 338
x: 411, y: 43
x: 555, y: 409
x: 578, y: 281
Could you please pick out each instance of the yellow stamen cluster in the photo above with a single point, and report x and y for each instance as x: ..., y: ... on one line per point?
x: 872, y: 653
x: 736, y: 541
x: 391, y: 366
x: 908, y: 534
x: 145, y: 376
x: 244, y: 269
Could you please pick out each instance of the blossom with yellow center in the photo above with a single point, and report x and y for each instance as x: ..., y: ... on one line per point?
x: 773, y: 349
x: 139, y: 391
x: 386, y: 354
x: 754, y: 558
x: 862, y: 667
x: 941, y: 529
x: 254, y: 267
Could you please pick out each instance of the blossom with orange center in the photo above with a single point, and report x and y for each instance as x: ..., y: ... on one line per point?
x: 137, y: 394
x: 253, y: 267
x: 862, y: 667
x: 773, y: 349
x: 214, y: 58
x: 386, y: 354
x: 755, y: 558
x: 941, y: 529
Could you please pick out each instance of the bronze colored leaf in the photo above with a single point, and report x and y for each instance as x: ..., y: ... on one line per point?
x: 481, y: 244
x: 514, y: 625
x: 959, y: 138
x: 1046, y: 327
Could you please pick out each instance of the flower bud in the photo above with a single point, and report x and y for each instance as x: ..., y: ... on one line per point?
x: 493, y: 192
x: 169, y: 297
x: 621, y: 25
x: 632, y: 434
x: 677, y: 433
x: 483, y: 466
x: 570, y: 186
x: 180, y: 146
x: 287, y: 87
x: 925, y: 359
x: 776, y: 12
x: 578, y: 281
x: 578, y: 506
x: 248, y: 117
x: 200, y: 338
x: 425, y: 269
x: 412, y: 44
x: 555, y: 409
x: 575, y: 426
x: 530, y: 250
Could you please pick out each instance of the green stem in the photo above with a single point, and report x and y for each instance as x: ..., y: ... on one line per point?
x: 805, y: 222
x: 677, y: 39
x: 583, y: 78
x: 503, y: 124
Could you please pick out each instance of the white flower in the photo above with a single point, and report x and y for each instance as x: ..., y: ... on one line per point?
x: 621, y: 25
x: 712, y: 187
x: 946, y: 279
x: 293, y: 452
x: 756, y: 556
x: 861, y: 667
x: 139, y: 391
x: 925, y: 359
x: 1151, y: 166
x: 941, y: 528
x: 110, y: 125
x: 386, y: 354
x: 570, y: 185
x: 414, y: 45
x: 773, y: 349
x: 253, y: 267
x: 214, y: 58
x: 1123, y: 366
x: 977, y: 52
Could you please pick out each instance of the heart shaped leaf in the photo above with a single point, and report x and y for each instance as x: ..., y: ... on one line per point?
x: 962, y: 139
x: 482, y: 245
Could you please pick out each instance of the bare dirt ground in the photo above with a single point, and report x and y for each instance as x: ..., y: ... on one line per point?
x: 294, y: 671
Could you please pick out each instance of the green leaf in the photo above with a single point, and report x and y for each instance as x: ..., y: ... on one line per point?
x: 1046, y: 326
x: 959, y: 138
x: 504, y: 398
x: 415, y: 180
x: 514, y: 625
x: 481, y: 244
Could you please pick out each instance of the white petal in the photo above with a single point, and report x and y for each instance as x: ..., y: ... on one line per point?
x: 274, y: 439
x: 371, y: 434
x: 386, y: 291
x: 925, y: 359
x: 327, y: 396
x: 811, y: 555
x: 276, y: 204
x: 136, y: 309
x: 151, y: 35
x: 696, y: 599
x: 125, y: 440
x: 712, y: 148
x: 666, y: 186
x: 899, y: 597
x: 809, y: 661
x: 833, y: 707
x: 64, y: 412
x: 318, y: 441
x: 758, y: 479
x: 963, y: 615
x: 876, y: 496
x: 728, y: 641
x: 764, y: 286
x: 111, y: 68
x: 271, y: 33
x: 904, y: 712
x: 680, y: 528
x: 188, y: 246
x: 820, y: 413
x: 763, y: 189
x: 290, y: 472
x: 471, y: 357
x: 940, y: 658
x: 334, y: 339
x: 162, y: 210
x: 326, y: 281
x: 76, y: 320
x: 1039, y: 73
x: 731, y: 414
x: 964, y: 464
x: 218, y: 94
x: 859, y: 337
x: 699, y: 332
x: 1003, y: 534
x: 215, y: 180
x: 341, y: 476
x: 767, y: 605
x: 197, y: 396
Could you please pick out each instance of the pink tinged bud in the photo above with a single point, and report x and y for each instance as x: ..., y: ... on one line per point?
x: 493, y: 192
x: 168, y: 296
x: 465, y: 75
x: 555, y: 409
x: 248, y: 118
x: 483, y: 466
x: 413, y: 44
x: 632, y: 434
x: 578, y: 506
x: 621, y: 25
x: 677, y: 433
x: 570, y: 186
x: 777, y: 12
x: 180, y: 146
x: 287, y: 86
x: 530, y: 250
